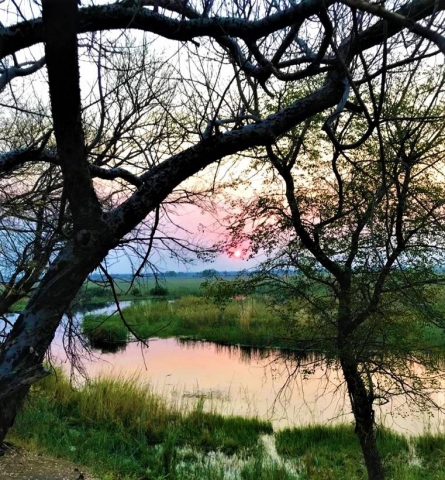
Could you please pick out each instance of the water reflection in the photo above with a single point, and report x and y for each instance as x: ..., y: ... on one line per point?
x: 287, y: 387
x: 243, y: 353
x: 91, y: 307
x: 100, y: 308
x: 249, y: 354
x: 106, y: 347
x: 236, y: 380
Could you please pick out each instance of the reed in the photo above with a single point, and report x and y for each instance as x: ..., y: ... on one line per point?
x: 243, y: 321
x: 121, y: 428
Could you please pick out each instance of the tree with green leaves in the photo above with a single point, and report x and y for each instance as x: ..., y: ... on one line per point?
x: 356, y: 220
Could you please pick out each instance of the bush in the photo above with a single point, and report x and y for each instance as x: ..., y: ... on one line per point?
x: 104, y: 329
x: 159, y: 291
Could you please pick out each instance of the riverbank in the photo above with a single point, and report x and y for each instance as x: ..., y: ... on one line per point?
x: 247, y: 321
x: 243, y: 321
x: 121, y: 429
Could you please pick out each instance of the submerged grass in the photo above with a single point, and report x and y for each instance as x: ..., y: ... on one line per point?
x: 246, y: 322
x: 333, y: 453
x: 329, y: 452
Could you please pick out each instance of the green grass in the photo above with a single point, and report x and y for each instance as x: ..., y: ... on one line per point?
x: 333, y: 453
x: 96, y: 293
x: 430, y: 449
x: 20, y: 305
x: 100, y: 293
x: 248, y: 321
x: 245, y: 322
x: 105, y: 331
x: 121, y: 429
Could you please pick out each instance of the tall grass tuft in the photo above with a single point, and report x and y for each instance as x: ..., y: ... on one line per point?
x: 122, y: 429
x: 245, y: 321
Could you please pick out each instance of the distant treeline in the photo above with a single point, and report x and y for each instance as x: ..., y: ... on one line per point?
x: 170, y: 274
x: 201, y: 274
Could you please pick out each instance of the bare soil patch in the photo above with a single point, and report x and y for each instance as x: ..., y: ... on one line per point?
x: 19, y: 464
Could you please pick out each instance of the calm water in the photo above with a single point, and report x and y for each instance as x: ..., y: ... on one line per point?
x: 245, y: 382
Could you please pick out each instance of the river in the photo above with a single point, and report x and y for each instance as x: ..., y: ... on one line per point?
x: 243, y: 381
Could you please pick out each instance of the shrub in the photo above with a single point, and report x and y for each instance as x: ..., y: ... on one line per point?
x: 104, y: 329
x: 159, y: 291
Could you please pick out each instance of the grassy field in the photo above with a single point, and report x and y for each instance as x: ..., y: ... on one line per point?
x: 96, y: 293
x: 332, y: 453
x: 122, y: 430
x: 142, y: 289
x: 246, y: 321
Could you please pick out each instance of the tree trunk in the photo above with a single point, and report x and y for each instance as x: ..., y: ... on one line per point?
x: 22, y: 354
x: 364, y: 417
x: 9, y: 407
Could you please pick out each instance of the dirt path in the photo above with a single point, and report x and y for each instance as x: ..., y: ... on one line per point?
x: 18, y: 464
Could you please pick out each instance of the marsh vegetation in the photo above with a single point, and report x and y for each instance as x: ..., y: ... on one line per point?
x: 120, y: 429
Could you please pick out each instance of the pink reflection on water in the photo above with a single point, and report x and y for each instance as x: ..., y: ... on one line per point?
x: 236, y: 382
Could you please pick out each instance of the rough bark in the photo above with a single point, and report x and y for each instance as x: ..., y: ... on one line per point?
x: 125, y: 15
x: 362, y: 408
x: 60, y: 19
x: 361, y: 398
x: 25, y: 347
x: 8, y: 411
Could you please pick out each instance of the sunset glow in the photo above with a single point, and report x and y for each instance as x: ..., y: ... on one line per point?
x: 237, y: 253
